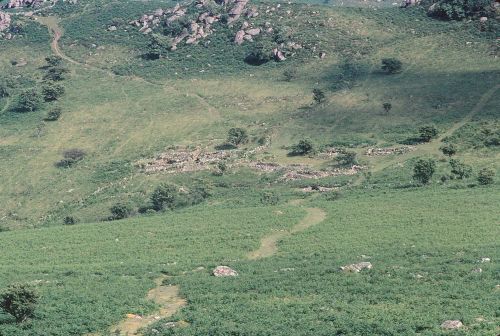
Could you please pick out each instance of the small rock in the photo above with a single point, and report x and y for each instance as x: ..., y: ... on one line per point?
x: 112, y: 28
x: 452, y: 324
x: 477, y: 270
x: 224, y: 271
x: 485, y: 260
x: 356, y: 268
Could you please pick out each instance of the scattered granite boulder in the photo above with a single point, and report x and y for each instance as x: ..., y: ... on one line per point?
x: 452, y: 324
x: 237, y: 10
x: 278, y: 55
x: 356, y: 268
x: 5, y: 21
x: 224, y: 271
x: 485, y: 260
x: 238, y: 39
x: 253, y: 31
x: 22, y: 3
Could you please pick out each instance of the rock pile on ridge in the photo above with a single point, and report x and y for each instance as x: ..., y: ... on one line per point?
x: 22, y: 3
x: 5, y: 21
x: 224, y: 271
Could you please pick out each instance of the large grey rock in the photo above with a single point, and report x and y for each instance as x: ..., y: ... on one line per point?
x: 356, y: 268
x: 5, y: 21
x: 224, y: 271
x: 452, y: 324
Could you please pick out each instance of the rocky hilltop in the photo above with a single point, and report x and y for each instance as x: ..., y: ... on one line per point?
x: 191, y: 23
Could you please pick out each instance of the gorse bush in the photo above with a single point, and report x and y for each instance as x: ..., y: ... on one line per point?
x: 486, y: 176
x: 120, y: 211
x: 165, y: 196
x: 319, y: 96
x: 391, y: 65
x: 303, y: 147
x: 54, y: 114
x: 19, y: 300
x: 269, y: 198
x: 427, y: 133
x: 53, y: 60
x: 461, y: 9
x: 52, y: 91
x: 71, y: 157
x: 449, y: 149
x: 29, y: 101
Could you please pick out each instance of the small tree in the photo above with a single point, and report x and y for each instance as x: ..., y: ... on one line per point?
x: 449, y: 149
x: 19, y: 300
x: 53, y: 60
x: 165, y: 196
x: 486, y: 176
x: 387, y: 107
x: 237, y: 136
x: 290, y: 74
x: 120, y: 211
x: 52, y: 91
x: 303, y: 147
x: 319, y: 96
x: 423, y: 170
x: 29, y: 101
x: 427, y: 133
x: 391, y: 65
x: 460, y: 169
x: 54, y: 114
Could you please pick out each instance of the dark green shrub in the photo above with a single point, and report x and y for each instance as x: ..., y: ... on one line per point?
x: 486, y: 176
x: 165, y: 196
x: 303, y: 147
x: 318, y: 96
x: 4, y: 90
x: 52, y: 91
x: 29, y: 101
x: 427, y: 133
x: 460, y: 9
x: 423, y: 170
x: 56, y: 74
x: 460, y: 169
x: 237, y: 136
x: 391, y: 65
x: 53, y: 60
x: 120, y: 211
x: 54, y: 114
x: 71, y: 157
x: 387, y: 107
x: 19, y: 300
x: 70, y: 220
x: 449, y: 149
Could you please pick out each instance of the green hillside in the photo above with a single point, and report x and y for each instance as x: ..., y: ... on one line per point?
x: 102, y: 120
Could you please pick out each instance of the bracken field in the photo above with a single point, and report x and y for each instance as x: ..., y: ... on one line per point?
x: 341, y: 159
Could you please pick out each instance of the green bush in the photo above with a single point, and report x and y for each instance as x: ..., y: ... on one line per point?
x: 53, y: 60
x: 347, y: 159
x: 486, y: 176
x: 303, y: 147
x: 165, y: 196
x: 54, y: 114
x: 56, y: 74
x: 427, y: 133
x: 120, y: 211
x: 19, y: 300
x: 52, y: 91
x: 71, y: 157
x: 29, y: 101
x: 460, y: 9
x: 423, y: 170
x: 460, y: 169
x: 391, y: 65
x: 4, y: 90
x: 449, y: 149
x: 319, y: 96
x: 70, y: 220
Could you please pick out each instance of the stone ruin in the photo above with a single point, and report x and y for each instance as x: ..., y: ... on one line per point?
x: 389, y: 151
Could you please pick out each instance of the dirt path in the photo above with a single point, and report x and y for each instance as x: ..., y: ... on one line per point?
x: 167, y: 297
x: 268, y: 244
